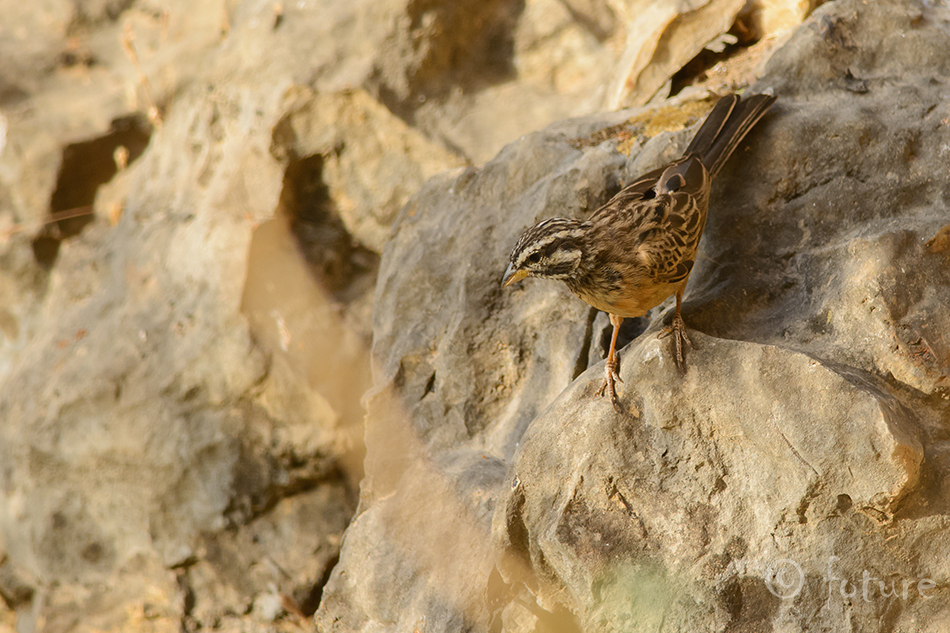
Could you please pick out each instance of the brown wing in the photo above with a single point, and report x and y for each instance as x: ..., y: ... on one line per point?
x: 670, y: 237
x: 643, y: 188
x: 679, y: 273
x: 661, y: 216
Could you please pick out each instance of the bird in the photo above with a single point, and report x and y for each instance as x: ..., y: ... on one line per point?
x: 639, y: 248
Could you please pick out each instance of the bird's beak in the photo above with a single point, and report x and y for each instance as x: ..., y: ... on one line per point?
x: 512, y: 276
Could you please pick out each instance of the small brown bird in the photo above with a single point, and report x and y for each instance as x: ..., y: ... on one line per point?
x: 639, y: 248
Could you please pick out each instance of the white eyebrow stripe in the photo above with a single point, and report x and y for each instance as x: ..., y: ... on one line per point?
x: 548, y: 240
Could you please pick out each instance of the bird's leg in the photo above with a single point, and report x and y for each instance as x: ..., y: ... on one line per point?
x: 611, y: 375
x: 678, y: 329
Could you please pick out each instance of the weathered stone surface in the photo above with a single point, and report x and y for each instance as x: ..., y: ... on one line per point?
x: 807, y: 437
x: 774, y: 16
x: 436, y: 541
x: 160, y: 388
x: 284, y: 553
x: 661, y: 38
x: 834, y: 233
x: 712, y: 473
x: 373, y: 160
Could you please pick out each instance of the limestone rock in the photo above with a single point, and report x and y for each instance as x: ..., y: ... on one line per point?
x: 372, y: 161
x: 770, y: 17
x: 661, y: 38
x: 147, y: 408
x: 732, y: 471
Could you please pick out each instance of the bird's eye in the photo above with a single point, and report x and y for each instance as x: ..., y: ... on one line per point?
x: 534, y: 258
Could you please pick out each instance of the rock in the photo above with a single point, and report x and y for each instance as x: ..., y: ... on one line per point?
x: 372, y: 160
x: 770, y: 17
x: 149, y: 406
x: 437, y: 541
x: 843, y: 221
x: 276, y: 562
x: 170, y: 369
x: 613, y: 504
x: 16, y: 591
x: 661, y: 39
x: 782, y: 479
x: 455, y: 365
x: 538, y: 62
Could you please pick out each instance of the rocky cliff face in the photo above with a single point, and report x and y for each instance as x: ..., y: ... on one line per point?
x: 221, y: 226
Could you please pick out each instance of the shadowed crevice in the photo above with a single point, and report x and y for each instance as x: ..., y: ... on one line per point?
x: 337, y: 261
x: 85, y: 167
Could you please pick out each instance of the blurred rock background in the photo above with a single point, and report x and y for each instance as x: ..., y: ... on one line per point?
x: 223, y: 223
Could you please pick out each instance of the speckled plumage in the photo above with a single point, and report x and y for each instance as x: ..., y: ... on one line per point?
x: 639, y: 248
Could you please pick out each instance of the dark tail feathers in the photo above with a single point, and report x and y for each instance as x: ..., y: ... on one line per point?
x: 725, y: 127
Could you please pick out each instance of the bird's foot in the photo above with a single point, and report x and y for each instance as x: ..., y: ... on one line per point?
x: 680, y: 339
x: 611, y: 377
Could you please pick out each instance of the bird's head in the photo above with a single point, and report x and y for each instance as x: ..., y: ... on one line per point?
x: 551, y: 249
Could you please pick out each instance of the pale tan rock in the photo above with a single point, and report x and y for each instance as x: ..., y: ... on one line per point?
x: 770, y: 17
x: 373, y: 161
x: 660, y: 38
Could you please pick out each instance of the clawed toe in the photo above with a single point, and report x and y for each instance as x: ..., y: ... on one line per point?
x: 611, y: 377
x: 680, y: 339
